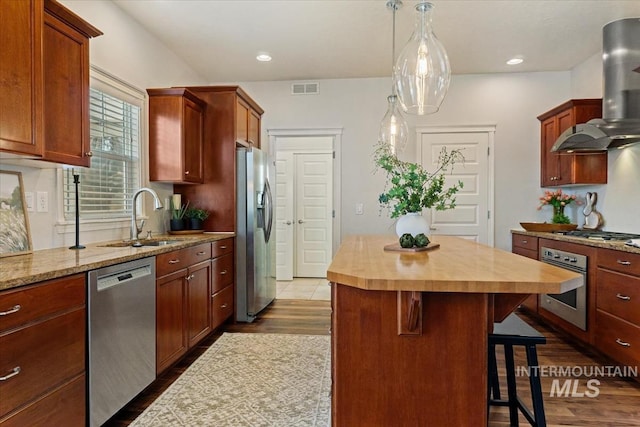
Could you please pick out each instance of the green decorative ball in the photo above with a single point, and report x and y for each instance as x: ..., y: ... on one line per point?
x: 407, y: 241
x: 421, y: 240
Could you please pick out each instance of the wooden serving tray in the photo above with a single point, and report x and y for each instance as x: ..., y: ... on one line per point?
x: 397, y: 248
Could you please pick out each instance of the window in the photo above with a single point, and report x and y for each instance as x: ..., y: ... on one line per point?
x: 106, y: 188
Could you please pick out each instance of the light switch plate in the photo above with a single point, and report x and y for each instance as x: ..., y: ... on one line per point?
x: 359, y: 208
x: 42, y: 202
x: 28, y: 198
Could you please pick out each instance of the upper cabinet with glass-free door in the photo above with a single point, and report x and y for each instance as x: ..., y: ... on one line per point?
x: 44, y: 94
x: 566, y: 169
x: 176, y: 120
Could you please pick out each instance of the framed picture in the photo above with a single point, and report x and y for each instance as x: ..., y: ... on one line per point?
x: 15, y: 238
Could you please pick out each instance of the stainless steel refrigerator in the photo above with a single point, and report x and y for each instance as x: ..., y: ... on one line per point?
x: 255, y: 240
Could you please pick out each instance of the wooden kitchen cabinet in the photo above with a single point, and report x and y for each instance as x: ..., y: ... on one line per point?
x: 247, y: 124
x: 183, y: 311
x: 617, y: 332
x: 21, y: 91
x: 527, y: 246
x: 45, y: 112
x: 222, y: 282
x: 566, y: 169
x: 176, y: 118
x: 42, y: 337
x: 228, y: 113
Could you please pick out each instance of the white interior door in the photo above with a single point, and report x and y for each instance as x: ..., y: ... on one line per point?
x: 285, y: 166
x: 471, y: 218
x: 313, y: 214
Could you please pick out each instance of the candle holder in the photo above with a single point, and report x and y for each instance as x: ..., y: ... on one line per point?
x: 76, y: 181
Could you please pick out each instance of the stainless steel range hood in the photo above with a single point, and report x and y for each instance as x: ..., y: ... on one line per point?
x: 620, y: 124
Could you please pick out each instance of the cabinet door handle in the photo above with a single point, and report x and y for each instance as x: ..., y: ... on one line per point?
x: 621, y: 262
x: 174, y: 261
x: 12, y: 310
x: 224, y: 305
x: 201, y: 253
x: 223, y: 272
x: 623, y: 297
x: 89, y: 153
x: 186, y: 172
x: 191, y: 276
x: 15, y: 371
x: 622, y: 343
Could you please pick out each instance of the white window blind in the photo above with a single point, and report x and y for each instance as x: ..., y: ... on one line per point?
x: 106, y: 188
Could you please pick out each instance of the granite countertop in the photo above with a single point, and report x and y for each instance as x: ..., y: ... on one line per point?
x: 457, y: 265
x: 606, y: 244
x: 58, y: 262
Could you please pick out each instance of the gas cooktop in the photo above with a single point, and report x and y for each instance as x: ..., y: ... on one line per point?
x: 599, y: 235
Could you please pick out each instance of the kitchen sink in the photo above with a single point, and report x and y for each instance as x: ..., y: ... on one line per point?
x: 140, y: 243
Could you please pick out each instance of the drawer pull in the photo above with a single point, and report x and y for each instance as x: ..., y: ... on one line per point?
x: 623, y: 297
x: 224, y: 305
x: 624, y: 262
x: 11, y: 310
x: 223, y: 272
x: 174, y: 261
x: 622, y: 343
x: 15, y: 371
x: 201, y: 253
x: 524, y: 242
x: 223, y: 247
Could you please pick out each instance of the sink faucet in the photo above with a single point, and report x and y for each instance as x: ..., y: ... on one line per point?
x: 135, y: 230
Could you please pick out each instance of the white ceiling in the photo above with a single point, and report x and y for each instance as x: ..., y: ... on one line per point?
x: 322, y: 39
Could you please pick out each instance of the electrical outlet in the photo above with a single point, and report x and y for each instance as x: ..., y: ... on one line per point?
x: 42, y: 203
x: 28, y: 197
x: 359, y: 208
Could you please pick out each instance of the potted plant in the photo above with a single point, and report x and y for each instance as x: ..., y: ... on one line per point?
x: 178, y: 210
x: 195, y: 217
x: 410, y: 188
x: 559, y: 201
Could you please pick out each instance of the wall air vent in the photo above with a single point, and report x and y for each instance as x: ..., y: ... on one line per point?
x: 312, y: 88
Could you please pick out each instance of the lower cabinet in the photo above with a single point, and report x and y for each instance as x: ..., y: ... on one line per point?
x: 526, y: 246
x: 617, y: 332
x: 183, y: 311
x: 222, y: 289
x: 42, y: 353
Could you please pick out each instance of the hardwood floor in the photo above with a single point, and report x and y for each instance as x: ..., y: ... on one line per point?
x: 617, y: 405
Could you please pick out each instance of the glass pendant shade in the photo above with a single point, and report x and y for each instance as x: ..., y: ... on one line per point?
x: 422, y: 72
x: 393, y: 129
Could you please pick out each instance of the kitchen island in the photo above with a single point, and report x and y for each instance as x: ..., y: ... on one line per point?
x: 410, y: 330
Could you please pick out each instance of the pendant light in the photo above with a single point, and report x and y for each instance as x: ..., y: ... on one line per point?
x: 393, y: 129
x: 422, y: 72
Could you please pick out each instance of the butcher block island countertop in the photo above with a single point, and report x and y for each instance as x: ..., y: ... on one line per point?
x: 410, y: 330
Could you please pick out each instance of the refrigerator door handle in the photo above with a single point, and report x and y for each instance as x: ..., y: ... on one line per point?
x: 268, y: 201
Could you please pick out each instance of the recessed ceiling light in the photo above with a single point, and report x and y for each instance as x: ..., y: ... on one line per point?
x: 263, y: 57
x: 515, y: 61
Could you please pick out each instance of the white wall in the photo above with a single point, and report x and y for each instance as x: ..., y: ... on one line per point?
x: 128, y: 52
x: 511, y: 101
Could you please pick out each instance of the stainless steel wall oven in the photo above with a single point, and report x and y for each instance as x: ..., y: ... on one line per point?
x: 572, y: 305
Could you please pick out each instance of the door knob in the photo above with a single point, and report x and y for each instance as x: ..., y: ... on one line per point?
x: 288, y: 222
x: 300, y: 221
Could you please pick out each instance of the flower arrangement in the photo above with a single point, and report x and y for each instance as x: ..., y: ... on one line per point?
x: 558, y: 200
x: 410, y: 188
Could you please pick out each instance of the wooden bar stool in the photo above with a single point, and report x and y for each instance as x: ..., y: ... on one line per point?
x: 508, y: 333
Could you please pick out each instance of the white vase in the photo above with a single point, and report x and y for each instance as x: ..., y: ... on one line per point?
x: 413, y: 223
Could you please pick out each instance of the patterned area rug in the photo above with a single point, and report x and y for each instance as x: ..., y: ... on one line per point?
x: 250, y: 380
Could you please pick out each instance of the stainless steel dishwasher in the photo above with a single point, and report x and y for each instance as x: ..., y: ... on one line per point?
x: 122, y: 335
